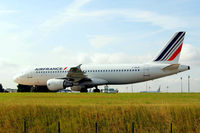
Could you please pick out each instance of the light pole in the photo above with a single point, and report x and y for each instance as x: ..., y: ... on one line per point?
x: 188, y: 83
x: 146, y: 85
x: 132, y: 88
x: 181, y: 85
x: 167, y: 88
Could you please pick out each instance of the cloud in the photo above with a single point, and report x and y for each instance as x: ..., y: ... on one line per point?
x: 73, y: 12
x: 161, y: 20
x: 7, y: 70
x: 77, y: 4
x: 190, y: 55
x: 7, y: 64
x: 98, y: 41
x: 7, y: 11
x: 8, y: 26
x: 76, y: 57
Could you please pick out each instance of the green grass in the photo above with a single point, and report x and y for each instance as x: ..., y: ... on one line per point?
x: 77, y: 113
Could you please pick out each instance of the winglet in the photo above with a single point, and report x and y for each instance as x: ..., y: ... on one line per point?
x: 79, y: 66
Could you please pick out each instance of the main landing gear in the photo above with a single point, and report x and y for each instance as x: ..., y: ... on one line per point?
x: 84, y: 90
x: 96, y: 89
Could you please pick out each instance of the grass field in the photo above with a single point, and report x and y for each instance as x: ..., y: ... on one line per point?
x: 78, y: 113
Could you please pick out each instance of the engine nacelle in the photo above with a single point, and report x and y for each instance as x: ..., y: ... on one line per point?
x: 58, y: 84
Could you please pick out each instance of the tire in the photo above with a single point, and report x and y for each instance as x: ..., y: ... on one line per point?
x: 96, y: 90
x: 84, y: 90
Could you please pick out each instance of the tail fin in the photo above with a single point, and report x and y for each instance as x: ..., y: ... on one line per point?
x: 171, y: 52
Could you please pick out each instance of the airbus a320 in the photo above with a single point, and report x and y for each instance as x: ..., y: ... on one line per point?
x: 83, y: 76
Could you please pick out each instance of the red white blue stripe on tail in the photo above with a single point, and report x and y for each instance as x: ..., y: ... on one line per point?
x: 171, y: 52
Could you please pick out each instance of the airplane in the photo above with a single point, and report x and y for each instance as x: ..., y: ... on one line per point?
x: 157, y: 91
x: 84, y: 76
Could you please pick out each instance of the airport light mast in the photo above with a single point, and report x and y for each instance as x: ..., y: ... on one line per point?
x: 188, y: 83
x: 181, y: 85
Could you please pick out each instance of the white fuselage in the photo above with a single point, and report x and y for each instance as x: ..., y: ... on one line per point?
x: 112, y: 73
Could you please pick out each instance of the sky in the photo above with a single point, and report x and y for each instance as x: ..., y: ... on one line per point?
x: 58, y: 33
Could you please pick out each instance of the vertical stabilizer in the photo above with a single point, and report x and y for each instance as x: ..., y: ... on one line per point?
x: 171, y: 52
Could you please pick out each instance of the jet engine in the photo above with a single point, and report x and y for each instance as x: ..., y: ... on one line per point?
x: 58, y: 84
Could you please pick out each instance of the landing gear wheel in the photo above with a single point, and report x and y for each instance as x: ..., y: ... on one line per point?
x: 96, y: 89
x: 84, y: 90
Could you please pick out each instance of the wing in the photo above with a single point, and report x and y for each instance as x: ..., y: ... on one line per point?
x: 78, y: 77
x: 76, y: 74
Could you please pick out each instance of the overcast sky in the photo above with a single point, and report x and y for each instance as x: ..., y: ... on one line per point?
x: 62, y: 32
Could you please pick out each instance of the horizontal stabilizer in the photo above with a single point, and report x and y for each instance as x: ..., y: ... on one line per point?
x: 171, y: 67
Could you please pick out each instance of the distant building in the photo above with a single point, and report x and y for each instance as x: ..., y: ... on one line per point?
x: 109, y: 90
x: 11, y: 90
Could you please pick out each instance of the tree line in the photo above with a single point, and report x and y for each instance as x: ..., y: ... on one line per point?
x: 2, y: 89
x: 29, y: 88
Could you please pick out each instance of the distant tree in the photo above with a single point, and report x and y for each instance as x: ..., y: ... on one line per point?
x: 23, y: 88
x: 1, y: 88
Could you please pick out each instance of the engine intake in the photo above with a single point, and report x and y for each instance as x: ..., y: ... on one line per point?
x: 58, y: 84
